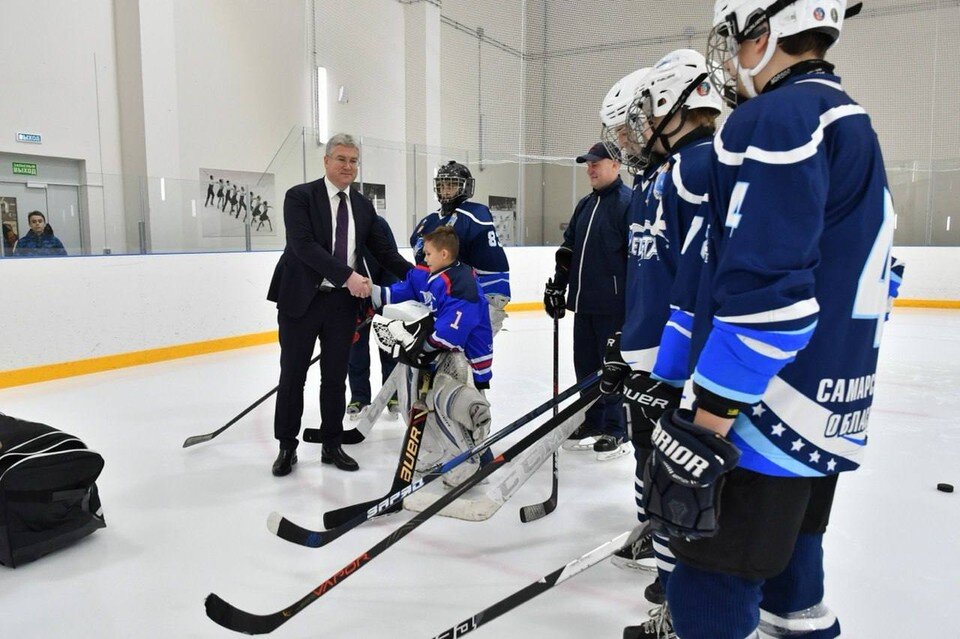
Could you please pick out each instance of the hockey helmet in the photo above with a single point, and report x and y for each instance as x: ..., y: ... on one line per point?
x: 453, y: 184
x: 736, y: 21
x: 614, y: 132
x: 677, y: 83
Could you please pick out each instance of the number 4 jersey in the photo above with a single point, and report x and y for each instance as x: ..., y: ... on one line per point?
x: 479, y: 245
x: 791, y: 305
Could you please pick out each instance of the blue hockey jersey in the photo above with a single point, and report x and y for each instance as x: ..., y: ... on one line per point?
x: 796, y: 277
x: 479, y: 245
x: 665, y: 223
x: 461, y: 319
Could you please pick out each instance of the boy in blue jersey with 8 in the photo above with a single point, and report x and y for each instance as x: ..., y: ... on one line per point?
x: 787, y: 328
x: 479, y: 245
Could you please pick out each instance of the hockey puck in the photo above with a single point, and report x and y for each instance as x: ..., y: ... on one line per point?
x: 945, y: 488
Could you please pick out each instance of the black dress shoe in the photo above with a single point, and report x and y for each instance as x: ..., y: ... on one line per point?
x: 335, y: 455
x: 284, y: 463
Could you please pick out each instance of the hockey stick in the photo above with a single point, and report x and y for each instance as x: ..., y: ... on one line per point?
x: 199, y: 439
x: 545, y: 583
x: 538, y: 511
x: 238, y: 620
x: 349, y: 517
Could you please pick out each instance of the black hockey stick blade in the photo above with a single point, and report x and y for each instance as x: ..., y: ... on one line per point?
x: 233, y: 618
x: 534, y: 512
x: 538, y: 587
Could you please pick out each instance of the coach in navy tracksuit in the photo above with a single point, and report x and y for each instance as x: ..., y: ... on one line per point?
x: 589, y: 280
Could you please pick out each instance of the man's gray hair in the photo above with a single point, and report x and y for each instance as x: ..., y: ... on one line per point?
x: 340, y: 139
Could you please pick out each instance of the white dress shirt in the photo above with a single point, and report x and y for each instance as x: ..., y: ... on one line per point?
x: 334, y: 199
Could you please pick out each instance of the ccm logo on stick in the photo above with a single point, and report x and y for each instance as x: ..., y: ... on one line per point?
x: 680, y: 455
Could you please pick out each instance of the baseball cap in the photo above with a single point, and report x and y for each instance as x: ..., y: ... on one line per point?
x: 597, y: 152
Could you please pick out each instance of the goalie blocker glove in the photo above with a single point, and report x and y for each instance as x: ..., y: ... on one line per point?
x: 615, y: 369
x: 684, y: 476
x: 645, y: 400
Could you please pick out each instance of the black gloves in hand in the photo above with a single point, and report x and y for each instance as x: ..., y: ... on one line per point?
x: 554, y: 300
x: 683, y: 477
x: 615, y: 370
x: 644, y: 402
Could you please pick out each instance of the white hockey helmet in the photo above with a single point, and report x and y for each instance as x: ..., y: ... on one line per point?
x: 736, y: 21
x: 677, y: 83
x: 613, y: 118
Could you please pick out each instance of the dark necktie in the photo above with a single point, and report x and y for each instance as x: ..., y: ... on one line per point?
x: 343, y: 219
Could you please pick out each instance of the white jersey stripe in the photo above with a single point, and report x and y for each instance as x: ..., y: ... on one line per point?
x: 791, y: 156
x: 682, y: 191
x: 797, y: 310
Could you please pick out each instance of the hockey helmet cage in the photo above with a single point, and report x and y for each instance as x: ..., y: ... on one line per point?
x: 677, y: 83
x: 457, y: 175
x: 736, y: 21
x: 614, y: 132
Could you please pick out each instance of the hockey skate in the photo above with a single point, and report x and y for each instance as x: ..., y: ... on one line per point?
x: 654, y: 592
x: 582, y: 439
x: 637, y: 554
x: 355, y: 410
x: 393, y: 409
x: 658, y: 626
x: 610, y: 447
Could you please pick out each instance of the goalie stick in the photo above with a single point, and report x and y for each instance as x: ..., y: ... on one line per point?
x: 238, y: 620
x: 538, y: 511
x: 342, y: 520
x: 545, y: 583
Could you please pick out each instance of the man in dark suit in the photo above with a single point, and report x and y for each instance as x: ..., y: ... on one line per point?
x: 318, y: 290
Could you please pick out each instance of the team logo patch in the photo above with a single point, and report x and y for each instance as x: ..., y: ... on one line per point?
x: 819, y: 14
x: 704, y: 88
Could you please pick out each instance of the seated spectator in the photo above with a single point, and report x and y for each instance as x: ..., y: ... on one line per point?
x: 39, y: 240
x: 9, y: 240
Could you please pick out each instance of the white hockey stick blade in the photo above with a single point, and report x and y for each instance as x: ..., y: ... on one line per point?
x: 483, y: 501
x: 371, y: 413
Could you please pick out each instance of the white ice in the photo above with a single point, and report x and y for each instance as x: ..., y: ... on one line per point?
x: 184, y: 523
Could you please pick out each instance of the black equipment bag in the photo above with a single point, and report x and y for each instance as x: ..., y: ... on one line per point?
x: 48, y: 498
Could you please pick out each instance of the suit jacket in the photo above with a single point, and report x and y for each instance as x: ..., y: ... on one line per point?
x: 308, y: 257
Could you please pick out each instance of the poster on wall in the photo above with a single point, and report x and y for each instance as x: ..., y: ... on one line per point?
x: 10, y: 225
x: 233, y: 199
x: 504, y: 212
x: 376, y: 193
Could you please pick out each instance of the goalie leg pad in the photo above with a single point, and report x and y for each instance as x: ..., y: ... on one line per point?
x: 498, y: 313
x: 683, y: 477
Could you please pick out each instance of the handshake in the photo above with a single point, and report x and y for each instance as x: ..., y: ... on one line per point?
x: 358, y: 285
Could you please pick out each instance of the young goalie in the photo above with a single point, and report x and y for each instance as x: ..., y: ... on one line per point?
x: 455, y: 331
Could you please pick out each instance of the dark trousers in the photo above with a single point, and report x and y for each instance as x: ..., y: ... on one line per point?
x: 590, y: 333
x: 331, y: 318
x: 359, y: 367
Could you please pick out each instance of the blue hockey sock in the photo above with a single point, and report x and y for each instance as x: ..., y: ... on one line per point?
x: 792, y: 602
x: 711, y: 605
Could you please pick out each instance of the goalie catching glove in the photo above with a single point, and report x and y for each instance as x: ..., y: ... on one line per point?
x: 405, y: 341
x: 645, y: 400
x: 684, y: 476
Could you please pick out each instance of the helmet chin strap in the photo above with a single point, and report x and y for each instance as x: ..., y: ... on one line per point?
x: 747, y: 75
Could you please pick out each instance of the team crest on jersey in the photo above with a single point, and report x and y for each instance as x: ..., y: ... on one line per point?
x: 428, y: 300
x: 659, y: 184
x: 819, y: 14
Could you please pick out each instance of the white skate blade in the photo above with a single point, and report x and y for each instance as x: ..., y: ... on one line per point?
x: 580, y: 445
x: 619, y: 451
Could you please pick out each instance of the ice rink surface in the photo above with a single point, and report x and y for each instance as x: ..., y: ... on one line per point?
x: 184, y: 523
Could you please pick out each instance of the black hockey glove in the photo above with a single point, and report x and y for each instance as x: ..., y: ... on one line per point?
x: 564, y: 260
x: 418, y: 357
x: 615, y: 370
x: 684, y: 476
x: 554, y: 300
x: 645, y: 400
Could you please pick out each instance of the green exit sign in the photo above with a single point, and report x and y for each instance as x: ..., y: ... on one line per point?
x: 24, y: 168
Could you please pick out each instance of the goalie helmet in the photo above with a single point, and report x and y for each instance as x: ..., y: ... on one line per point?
x: 677, y: 83
x: 614, y: 132
x: 453, y: 184
x: 736, y: 21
